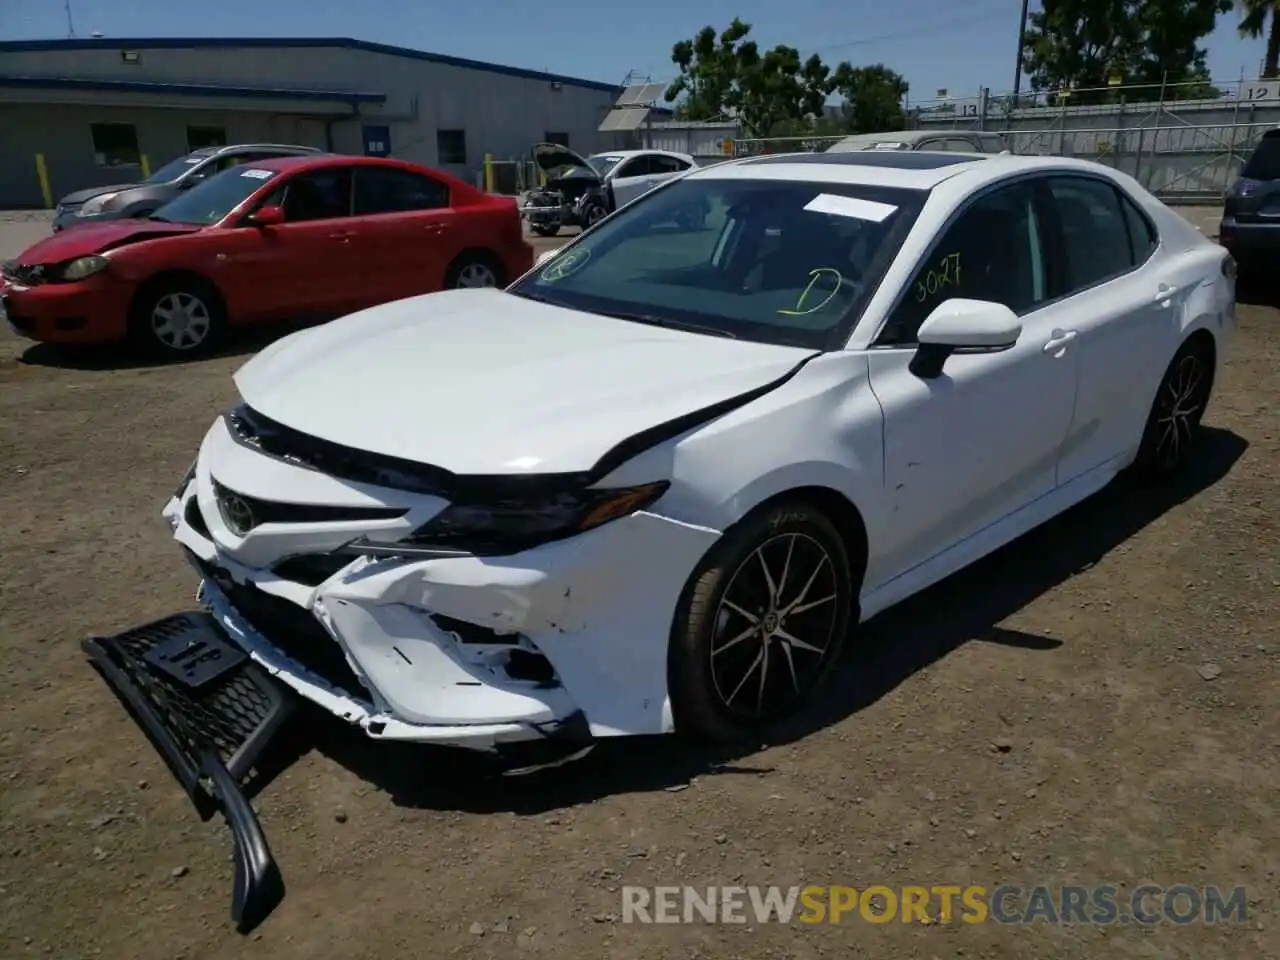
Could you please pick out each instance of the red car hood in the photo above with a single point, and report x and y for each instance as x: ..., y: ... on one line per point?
x: 87, y: 238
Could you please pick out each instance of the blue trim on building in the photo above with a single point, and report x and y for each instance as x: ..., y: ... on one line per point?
x: 346, y: 43
x: 187, y: 89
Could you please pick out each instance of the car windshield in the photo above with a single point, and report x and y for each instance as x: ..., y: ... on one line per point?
x: 602, y: 163
x: 210, y: 201
x: 777, y: 261
x: 175, y: 168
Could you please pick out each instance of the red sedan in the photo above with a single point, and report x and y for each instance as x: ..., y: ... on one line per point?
x: 294, y: 237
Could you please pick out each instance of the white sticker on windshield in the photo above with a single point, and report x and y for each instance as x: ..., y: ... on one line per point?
x: 258, y: 174
x: 850, y: 207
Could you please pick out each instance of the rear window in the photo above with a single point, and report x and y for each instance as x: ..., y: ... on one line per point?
x: 1264, y: 163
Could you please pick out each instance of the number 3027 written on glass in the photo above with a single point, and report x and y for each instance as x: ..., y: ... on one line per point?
x: 945, y: 274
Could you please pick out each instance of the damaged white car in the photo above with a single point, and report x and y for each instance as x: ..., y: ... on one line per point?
x: 654, y: 484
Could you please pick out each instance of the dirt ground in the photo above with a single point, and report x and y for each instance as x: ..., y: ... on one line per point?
x: 1044, y: 717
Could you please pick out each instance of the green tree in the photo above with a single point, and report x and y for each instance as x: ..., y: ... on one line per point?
x: 1256, y: 18
x: 708, y: 71
x: 1084, y: 43
x: 873, y: 97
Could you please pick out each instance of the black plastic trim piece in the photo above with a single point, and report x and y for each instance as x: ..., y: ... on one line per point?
x: 211, y: 784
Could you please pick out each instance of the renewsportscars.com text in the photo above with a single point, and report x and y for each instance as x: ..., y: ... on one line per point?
x: 1099, y: 905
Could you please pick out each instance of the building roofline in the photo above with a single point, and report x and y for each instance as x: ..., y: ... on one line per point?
x: 346, y: 43
x: 189, y: 89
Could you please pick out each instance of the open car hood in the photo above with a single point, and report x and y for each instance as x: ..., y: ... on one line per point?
x: 551, y: 157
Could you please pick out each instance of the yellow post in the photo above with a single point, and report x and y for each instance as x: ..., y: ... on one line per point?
x: 146, y: 166
x: 488, y: 172
x: 42, y: 174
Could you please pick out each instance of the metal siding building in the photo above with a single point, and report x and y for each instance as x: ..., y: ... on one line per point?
x: 346, y: 95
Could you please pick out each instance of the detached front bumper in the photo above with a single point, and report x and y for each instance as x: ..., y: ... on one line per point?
x: 567, y: 640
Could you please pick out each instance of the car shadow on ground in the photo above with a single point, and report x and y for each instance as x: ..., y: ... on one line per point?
x: 241, y: 342
x: 1255, y: 290
x: 968, y: 607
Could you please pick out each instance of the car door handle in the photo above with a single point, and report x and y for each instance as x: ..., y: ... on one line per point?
x: 347, y: 235
x: 1166, y: 291
x: 436, y: 227
x: 1059, y: 340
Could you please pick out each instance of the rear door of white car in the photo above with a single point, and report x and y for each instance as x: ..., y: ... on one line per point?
x: 967, y: 448
x: 1120, y: 302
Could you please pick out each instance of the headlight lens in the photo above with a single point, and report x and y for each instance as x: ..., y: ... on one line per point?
x: 83, y: 267
x: 511, y: 526
x: 95, y: 205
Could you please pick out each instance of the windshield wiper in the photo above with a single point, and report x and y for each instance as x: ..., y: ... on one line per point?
x: 668, y: 322
x: 159, y: 219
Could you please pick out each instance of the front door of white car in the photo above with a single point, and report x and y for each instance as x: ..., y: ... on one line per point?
x: 982, y: 439
x: 631, y: 179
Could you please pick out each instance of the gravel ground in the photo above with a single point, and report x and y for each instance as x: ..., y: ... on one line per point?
x: 1094, y: 704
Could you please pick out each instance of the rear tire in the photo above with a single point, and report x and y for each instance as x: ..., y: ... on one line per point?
x: 750, y: 642
x: 1173, y: 426
x: 545, y: 230
x: 177, y: 317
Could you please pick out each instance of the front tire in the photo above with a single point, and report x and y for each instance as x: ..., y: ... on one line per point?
x: 1173, y: 426
x: 179, y: 317
x: 761, y: 623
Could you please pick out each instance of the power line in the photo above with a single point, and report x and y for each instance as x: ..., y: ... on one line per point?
x: 972, y: 18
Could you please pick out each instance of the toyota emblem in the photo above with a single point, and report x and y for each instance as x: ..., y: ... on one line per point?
x: 237, y: 514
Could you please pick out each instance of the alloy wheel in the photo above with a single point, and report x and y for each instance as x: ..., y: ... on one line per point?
x: 773, y: 627
x: 477, y: 275
x: 181, y: 321
x: 1181, y: 404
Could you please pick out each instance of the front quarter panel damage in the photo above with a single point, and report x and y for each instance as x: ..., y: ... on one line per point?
x: 598, y: 606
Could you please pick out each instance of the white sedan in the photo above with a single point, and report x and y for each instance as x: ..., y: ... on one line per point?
x: 654, y: 484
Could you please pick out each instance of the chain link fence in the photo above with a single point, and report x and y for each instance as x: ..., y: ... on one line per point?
x: 1184, y: 142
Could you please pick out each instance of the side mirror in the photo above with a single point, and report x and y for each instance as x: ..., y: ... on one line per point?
x: 963, y: 326
x: 544, y: 256
x: 266, y: 217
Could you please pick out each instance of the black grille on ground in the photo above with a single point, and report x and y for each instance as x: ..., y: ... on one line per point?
x: 228, y: 714
x: 290, y: 629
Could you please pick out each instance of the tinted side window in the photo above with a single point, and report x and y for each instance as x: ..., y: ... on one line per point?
x: 318, y: 195
x: 385, y: 190
x: 635, y: 167
x: 1142, y: 235
x: 1095, y: 235
x: 991, y: 252
x: 959, y: 145
x: 660, y: 164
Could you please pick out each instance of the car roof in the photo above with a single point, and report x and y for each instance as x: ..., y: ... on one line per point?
x: 911, y: 170
x: 319, y: 160
x: 292, y: 148
x: 628, y: 154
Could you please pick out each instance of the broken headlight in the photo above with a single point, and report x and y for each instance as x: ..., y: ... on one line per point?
x: 508, y: 527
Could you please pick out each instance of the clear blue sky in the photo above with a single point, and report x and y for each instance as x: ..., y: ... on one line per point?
x: 934, y: 44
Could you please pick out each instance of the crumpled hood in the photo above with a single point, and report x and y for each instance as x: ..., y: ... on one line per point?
x: 80, y: 196
x: 84, y: 239
x: 484, y: 382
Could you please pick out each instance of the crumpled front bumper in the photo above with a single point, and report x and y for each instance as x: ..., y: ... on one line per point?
x: 431, y: 641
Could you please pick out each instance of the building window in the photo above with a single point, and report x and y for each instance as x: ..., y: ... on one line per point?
x: 451, y: 146
x: 115, y: 144
x: 198, y: 137
x: 559, y: 139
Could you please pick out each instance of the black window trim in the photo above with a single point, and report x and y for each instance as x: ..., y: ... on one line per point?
x: 1048, y: 236
x: 1052, y: 244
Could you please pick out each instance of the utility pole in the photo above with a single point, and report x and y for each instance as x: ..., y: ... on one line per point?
x: 71, y: 27
x: 1017, y: 64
